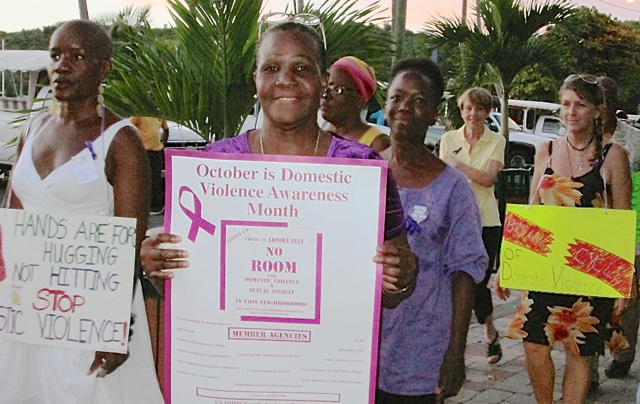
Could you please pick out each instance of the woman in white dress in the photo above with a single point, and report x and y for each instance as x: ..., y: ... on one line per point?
x: 46, y: 178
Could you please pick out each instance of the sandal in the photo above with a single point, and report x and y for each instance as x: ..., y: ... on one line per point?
x: 494, y: 351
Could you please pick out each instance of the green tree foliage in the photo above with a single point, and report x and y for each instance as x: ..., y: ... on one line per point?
x: 594, y: 43
x: 507, y: 41
x: 203, y: 79
x: 29, y: 39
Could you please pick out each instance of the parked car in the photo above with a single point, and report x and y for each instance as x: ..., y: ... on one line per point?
x: 522, y: 145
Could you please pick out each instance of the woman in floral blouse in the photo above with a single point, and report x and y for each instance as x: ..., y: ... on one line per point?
x: 572, y: 171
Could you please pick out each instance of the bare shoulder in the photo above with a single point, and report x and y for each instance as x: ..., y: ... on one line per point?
x: 617, y: 155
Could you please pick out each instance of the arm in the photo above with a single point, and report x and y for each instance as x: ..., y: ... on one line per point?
x: 618, y: 175
x: 489, y: 175
x: 616, y: 169
x: 452, y: 371
x: 127, y: 170
x: 486, y: 178
x: 540, y: 164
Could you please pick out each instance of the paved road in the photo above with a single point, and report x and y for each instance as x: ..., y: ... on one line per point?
x: 508, y: 382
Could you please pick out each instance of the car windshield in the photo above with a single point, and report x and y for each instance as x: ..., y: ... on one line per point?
x: 512, y: 124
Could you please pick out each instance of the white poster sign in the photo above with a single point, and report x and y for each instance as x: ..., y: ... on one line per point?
x: 281, y: 301
x: 66, y: 280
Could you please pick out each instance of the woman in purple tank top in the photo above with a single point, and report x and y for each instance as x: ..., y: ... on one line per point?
x: 290, y: 75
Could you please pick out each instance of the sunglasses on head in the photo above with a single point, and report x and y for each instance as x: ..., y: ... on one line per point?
x: 587, y: 78
x: 302, y: 18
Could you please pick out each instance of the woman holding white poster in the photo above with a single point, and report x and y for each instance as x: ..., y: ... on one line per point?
x: 81, y: 158
x: 423, y: 340
x: 574, y: 171
x: 289, y: 77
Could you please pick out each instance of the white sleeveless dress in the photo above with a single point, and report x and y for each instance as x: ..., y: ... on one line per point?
x: 34, y: 374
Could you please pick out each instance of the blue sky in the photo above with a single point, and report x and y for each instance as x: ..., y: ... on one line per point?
x: 28, y: 14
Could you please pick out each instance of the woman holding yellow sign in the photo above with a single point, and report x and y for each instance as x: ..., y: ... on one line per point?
x: 574, y: 171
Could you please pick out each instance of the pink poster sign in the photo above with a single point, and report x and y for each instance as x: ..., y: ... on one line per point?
x: 281, y: 302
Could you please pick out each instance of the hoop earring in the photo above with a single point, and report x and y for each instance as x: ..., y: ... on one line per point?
x: 101, y: 107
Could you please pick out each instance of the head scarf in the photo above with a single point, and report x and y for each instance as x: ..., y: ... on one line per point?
x: 362, y: 75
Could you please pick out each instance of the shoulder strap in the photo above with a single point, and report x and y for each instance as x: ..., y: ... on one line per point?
x: 369, y: 136
x: 605, y: 150
x: 33, y: 124
x: 104, y: 141
x: 113, y: 130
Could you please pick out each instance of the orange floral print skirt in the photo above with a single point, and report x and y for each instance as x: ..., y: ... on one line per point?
x: 581, y: 324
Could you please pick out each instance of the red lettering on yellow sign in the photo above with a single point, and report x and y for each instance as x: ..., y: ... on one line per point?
x: 526, y: 234
x: 601, y: 264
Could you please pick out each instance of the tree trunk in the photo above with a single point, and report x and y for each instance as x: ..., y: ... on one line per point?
x: 300, y: 6
x: 84, y: 11
x: 504, y: 126
x: 464, y: 11
x: 399, y: 19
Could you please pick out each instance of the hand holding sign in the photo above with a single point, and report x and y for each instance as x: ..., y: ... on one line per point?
x: 158, y: 262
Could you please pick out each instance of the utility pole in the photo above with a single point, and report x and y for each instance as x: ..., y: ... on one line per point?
x: 84, y: 11
x: 398, y: 24
x: 464, y: 12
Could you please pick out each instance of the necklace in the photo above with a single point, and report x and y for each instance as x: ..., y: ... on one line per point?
x: 583, y: 152
x: 315, y: 151
x: 580, y: 148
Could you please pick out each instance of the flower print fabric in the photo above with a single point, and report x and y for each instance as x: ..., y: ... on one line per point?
x: 581, y: 324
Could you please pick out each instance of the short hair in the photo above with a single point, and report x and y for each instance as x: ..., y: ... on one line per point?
x: 426, y: 68
x: 478, y: 96
x: 291, y: 26
x: 98, y: 39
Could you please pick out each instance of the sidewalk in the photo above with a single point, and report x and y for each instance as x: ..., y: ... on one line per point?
x: 508, y: 382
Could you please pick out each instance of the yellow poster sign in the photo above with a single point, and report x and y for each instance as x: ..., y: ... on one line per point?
x: 585, y: 251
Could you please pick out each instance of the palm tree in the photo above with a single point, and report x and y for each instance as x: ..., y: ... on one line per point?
x: 508, y: 40
x: 203, y: 80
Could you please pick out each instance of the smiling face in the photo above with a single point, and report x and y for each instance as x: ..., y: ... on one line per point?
x: 337, y: 108
x: 577, y: 113
x: 288, y: 78
x: 77, y: 65
x: 474, y: 115
x: 410, y: 108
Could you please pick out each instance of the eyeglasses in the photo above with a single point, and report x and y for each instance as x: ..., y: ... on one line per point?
x: 587, y: 78
x: 333, y: 90
x: 310, y: 20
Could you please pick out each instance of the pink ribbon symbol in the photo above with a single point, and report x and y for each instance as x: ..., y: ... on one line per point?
x: 197, y: 221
